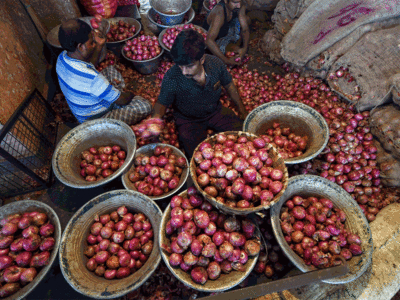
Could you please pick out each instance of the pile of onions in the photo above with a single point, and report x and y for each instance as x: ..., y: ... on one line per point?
x: 237, y: 171
x: 171, y: 33
x: 315, y: 230
x: 26, y: 243
x: 100, y: 162
x: 158, y: 174
x: 148, y: 128
x: 237, y: 59
x: 162, y: 69
x: 287, y: 143
x: 205, y: 242
x: 144, y: 47
x: 110, y: 60
x: 119, y: 243
x: 120, y: 31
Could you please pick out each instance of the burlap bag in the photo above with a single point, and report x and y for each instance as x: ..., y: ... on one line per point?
x: 388, y: 166
x: 324, y: 23
x: 385, y: 125
x: 267, y: 5
x: 271, y: 46
x: 395, y: 89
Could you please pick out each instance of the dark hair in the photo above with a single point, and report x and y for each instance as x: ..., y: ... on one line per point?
x: 72, y: 33
x: 188, y: 47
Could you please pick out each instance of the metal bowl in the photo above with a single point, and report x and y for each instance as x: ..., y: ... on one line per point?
x: 160, y: 36
x: 311, y: 185
x: 171, y: 12
x: 130, y: 21
x: 148, y: 150
x: 146, y: 66
x: 29, y: 206
x: 95, y: 133
x: 73, y: 243
x: 151, y: 15
x: 223, y: 283
x: 52, y: 36
x: 278, y: 163
x: 206, y: 4
x: 302, y: 120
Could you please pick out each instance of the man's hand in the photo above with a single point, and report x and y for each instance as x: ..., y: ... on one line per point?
x: 99, y: 38
x: 241, y: 53
x: 232, y: 62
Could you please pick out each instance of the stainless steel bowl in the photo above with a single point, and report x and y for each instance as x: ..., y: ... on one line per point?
x: 73, y: 261
x: 95, y: 133
x: 151, y: 15
x: 302, y: 120
x: 311, y: 185
x: 148, y: 150
x: 146, y: 66
x: 160, y: 36
x: 130, y: 21
x: 171, y: 12
x: 29, y: 206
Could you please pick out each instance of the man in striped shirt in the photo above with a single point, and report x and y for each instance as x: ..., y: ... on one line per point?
x: 88, y: 92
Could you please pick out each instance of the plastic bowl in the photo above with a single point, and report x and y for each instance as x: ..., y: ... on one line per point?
x: 95, y: 133
x: 29, y: 206
x: 171, y: 12
x: 151, y: 15
x: 311, y: 185
x: 73, y: 243
x: 300, y: 118
x: 148, y: 150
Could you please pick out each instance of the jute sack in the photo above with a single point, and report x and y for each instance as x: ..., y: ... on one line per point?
x: 268, y: 5
x: 389, y: 167
x: 385, y: 125
x: 371, y: 64
x: 271, y: 46
x: 324, y: 23
x: 395, y: 80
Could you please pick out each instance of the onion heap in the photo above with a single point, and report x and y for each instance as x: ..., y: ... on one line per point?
x: 287, y: 143
x: 205, y: 242
x: 237, y: 171
x: 162, y: 69
x: 237, y: 59
x: 149, y: 129
x: 120, y: 31
x: 119, y: 243
x: 99, y: 163
x: 26, y: 243
x: 158, y: 174
x: 315, y: 230
x: 171, y: 33
x: 110, y: 60
x: 144, y: 47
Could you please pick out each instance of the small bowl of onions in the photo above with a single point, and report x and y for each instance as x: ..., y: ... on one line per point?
x: 205, y: 249
x: 238, y: 172
x: 109, y: 247
x: 158, y: 171
x: 296, y: 130
x: 318, y: 224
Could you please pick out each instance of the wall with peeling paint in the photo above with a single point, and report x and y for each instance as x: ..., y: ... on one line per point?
x: 22, y: 61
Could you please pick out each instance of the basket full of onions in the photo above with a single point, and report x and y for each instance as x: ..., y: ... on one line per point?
x: 296, y: 130
x: 108, y: 248
x: 205, y: 249
x: 29, y: 242
x: 159, y: 170
x: 238, y: 172
x: 317, y: 224
x: 67, y: 161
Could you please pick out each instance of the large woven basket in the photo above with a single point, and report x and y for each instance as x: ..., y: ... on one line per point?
x: 300, y: 118
x: 73, y: 244
x: 311, y: 185
x: 19, y: 207
x: 148, y: 150
x: 223, y: 283
x: 278, y: 163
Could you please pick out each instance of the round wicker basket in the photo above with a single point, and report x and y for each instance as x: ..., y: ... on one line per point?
x: 311, y: 185
x: 278, y: 163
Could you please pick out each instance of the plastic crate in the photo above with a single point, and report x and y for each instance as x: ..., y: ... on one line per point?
x: 27, y: 142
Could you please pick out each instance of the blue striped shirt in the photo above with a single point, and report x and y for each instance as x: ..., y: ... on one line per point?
x: 86, y: 90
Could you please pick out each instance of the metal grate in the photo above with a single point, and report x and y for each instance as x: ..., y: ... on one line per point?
x: 27, y: 143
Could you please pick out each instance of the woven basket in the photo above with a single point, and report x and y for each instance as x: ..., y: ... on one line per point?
x: 223, y: 283
x: 73, y: 244
x: 311, y: 185
x: 148, y: 150
x: 300, y: 118
x: 278, y: 163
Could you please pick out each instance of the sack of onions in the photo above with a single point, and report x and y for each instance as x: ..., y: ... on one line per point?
x: 205, y: 243
x: 26, y: 243
x: 118, y: 244
x: 157, y: 173
x: 171, y: 33
x: 239, y: 170
x: 316, y: 231
x: 148, y: 128
x: 119, y: 31
x: 100, y: 162
x: 105, y: 8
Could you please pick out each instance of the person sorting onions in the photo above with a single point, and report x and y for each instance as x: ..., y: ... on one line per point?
x: 227, y: 23
x: 193, y: 88
x: 89, y: 93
